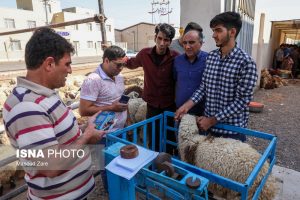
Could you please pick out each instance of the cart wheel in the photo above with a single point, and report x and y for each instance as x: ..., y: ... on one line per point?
x: 160, y: 159
x: 168, y: 168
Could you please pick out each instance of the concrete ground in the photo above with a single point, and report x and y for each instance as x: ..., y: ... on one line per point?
x: 289, y: 183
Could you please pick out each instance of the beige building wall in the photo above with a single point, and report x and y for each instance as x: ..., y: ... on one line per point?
x: 137, y: 36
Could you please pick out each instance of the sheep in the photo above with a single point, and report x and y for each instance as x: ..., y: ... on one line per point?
x: 140, y: 114
x: 223, y: 156
x: 7, y: 172
x: 136, y: 89
x: 137, y: 108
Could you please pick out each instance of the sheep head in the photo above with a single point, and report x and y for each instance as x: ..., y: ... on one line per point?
x: 188, y: 126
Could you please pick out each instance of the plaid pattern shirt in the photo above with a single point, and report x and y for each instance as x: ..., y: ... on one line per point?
x: 227, y: 85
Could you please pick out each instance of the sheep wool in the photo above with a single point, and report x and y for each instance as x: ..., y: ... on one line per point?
x: 133, y: 108
x: 8, y: 171
x: 227, y: 157
x: 140, y: 115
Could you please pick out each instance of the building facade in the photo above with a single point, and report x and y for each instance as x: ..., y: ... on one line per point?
x: 137, y: 36
x: 86, y: 38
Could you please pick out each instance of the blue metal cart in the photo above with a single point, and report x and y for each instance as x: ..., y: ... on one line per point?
x: 146, y: 178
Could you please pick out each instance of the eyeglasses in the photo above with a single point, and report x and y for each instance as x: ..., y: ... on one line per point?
x: 119, y: 65
x: 189, y: 42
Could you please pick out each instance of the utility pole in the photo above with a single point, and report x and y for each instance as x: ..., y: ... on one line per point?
x: 46, y: 2
x: 102, y: 24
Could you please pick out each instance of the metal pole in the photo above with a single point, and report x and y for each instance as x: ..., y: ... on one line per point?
x: 168, y: 12
x: 152, y: 11
x: 102, y: 24
x: 45, y: 4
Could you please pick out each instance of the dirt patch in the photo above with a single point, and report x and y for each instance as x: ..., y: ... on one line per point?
x: 280, y: 117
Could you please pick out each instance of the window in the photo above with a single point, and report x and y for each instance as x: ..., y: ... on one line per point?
x: 15, y: 45
x: 108, y: 27
x: 89, y: 26
x: 31, y: 24
x: 76, y: 45
x: 89, y: 44
x: 9, y: 23
x: 74, y: 27
x: 98, y: 27
x: 99, y: 44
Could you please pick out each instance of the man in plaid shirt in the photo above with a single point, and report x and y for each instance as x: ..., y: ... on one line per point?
x: 227, y: 83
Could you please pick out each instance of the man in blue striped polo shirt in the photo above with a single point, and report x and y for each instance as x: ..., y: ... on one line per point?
x: 36, y: 119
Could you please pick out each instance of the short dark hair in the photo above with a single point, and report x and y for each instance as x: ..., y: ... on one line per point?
x: 45, y: 42
x: 228, y: 20
x: 113, y: 52
x: 167, y: 29
x: 193, y: 26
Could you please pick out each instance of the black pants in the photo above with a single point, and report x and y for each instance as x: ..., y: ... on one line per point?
x: 153, y: 111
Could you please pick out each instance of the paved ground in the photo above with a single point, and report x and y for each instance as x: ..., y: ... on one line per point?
x: 289, y: 182
x: 280, y: 117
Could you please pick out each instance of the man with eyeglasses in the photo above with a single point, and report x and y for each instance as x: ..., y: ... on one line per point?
x: 102, y: 89
x: 189, y: 68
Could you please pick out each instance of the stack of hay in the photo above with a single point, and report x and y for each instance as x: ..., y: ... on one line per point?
x: 70, y: 92
x: 270, y: 82
x: 137, y: 81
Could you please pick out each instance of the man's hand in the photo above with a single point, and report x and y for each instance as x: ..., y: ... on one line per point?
x: 180, y: 112
x: 92, y: 135
x: 183, y: 110
x: 204, y: 123
x: 118, y: 107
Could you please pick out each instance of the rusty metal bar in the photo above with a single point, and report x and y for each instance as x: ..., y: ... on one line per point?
x: 96, y: 18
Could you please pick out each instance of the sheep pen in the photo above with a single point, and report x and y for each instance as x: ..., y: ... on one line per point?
x: 223, y: 156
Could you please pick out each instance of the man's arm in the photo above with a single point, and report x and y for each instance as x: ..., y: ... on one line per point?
x: 182, y: 110
x: 88, y: 108
x: 133, y: 63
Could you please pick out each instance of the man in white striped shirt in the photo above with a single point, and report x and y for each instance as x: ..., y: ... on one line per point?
x: 36, y: 119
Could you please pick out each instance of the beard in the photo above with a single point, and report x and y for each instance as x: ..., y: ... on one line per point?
x: 224, y: 41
